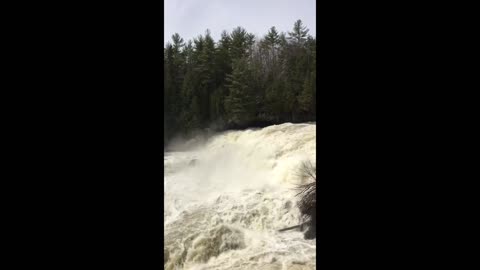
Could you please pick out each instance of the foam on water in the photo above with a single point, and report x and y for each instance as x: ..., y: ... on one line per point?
x: 225, y: 201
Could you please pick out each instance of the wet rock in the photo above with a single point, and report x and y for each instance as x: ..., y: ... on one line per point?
x: 310, y: 233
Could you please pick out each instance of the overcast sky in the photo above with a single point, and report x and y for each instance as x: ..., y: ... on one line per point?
x: 191, y: 18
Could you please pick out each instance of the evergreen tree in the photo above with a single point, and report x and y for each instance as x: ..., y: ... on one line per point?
x: 299, y: 33
x: 240, y: 103
x: 239, y: 44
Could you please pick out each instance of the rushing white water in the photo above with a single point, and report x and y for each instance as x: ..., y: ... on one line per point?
x: 225, y: 201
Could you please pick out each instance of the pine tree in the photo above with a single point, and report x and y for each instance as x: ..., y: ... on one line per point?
x: 299, y: 33
x: 239, y: 44
x: 223, y: 66
x: 168, y: 92
x: 305, y: 99
x: 240, y: 103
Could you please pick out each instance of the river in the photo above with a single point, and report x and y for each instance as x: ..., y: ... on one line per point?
x: 226, y: 198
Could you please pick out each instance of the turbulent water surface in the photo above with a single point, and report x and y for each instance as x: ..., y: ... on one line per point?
x: 225, y: 201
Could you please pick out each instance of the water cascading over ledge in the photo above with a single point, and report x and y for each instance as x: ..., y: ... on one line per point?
x: 224, y: 210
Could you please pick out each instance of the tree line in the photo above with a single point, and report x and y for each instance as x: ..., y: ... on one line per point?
x: 239, y: 81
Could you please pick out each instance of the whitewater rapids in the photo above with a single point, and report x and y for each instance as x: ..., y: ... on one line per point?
x: 226, y: 199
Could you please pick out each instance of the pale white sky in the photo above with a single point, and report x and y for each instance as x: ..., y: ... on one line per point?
x: 191, y: 18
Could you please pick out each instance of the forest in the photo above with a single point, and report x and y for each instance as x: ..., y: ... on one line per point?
x: 239, y: 81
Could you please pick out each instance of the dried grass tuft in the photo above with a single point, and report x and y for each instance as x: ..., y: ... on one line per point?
x: 308, y: 201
